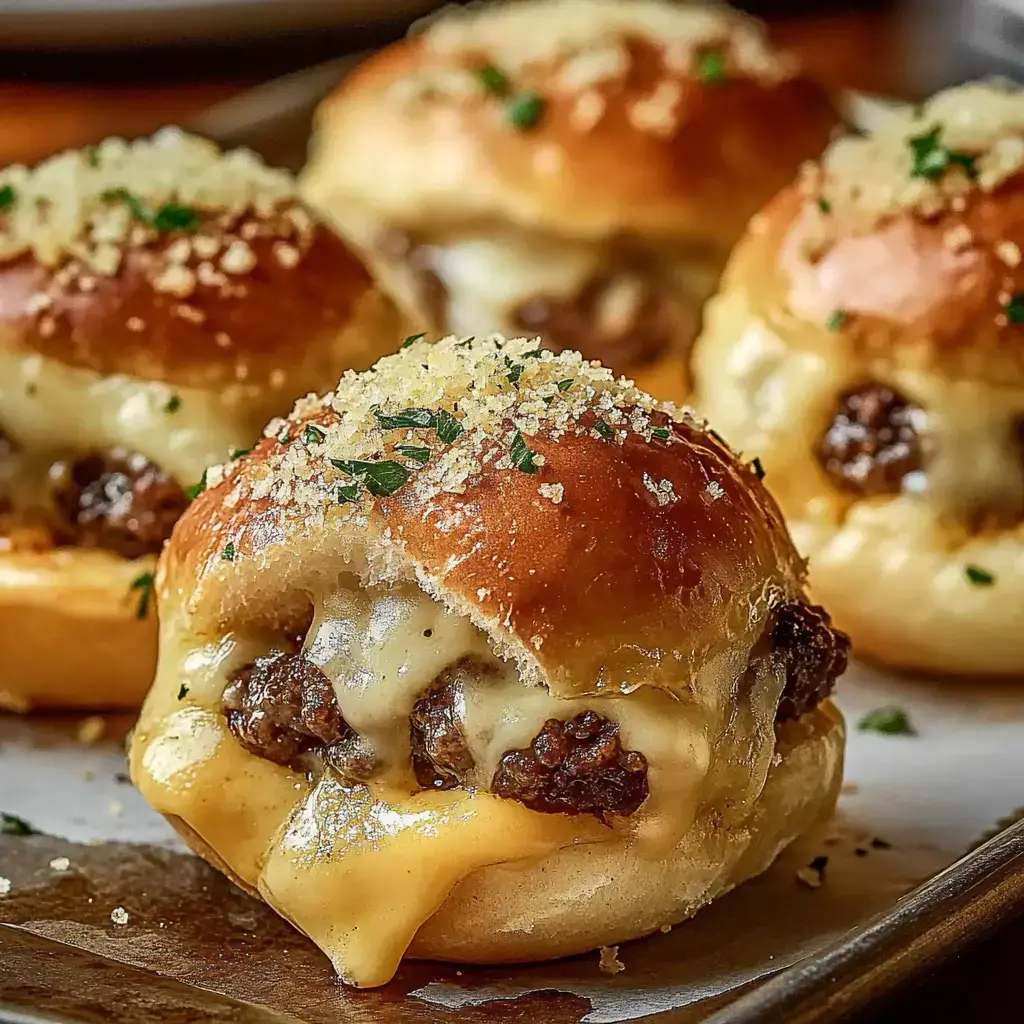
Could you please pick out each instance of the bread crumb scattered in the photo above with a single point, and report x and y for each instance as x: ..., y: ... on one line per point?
x: 119, y: 916
x: 91, y: 729
x: 813, y: 875
x: 610, y: 962
x: 60, y: 864
x: 553, y: 492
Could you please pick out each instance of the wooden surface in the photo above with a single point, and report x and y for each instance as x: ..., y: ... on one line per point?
x: 49, y: 102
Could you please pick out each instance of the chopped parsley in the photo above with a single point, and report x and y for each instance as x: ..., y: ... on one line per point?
x: 196, y: 489
x: 228, y: 554
x: 525, y: 111
x: 493, y: 80
x: 312, y: 434
x: 92, y: 156
x: 175, y: 217
x: 447, y: 426
x: 1014, y: 309
x: 381, y: 479
x: 604, y: 430
x: 12, y: 825
x: 237, y: 453
x: 711, y: 68
x: 564, y: 385
x: 414, y: 452
x: 143, y: 583
x: 412, y: 339
x: 173, y: 403
x: 7, y: 196
x: 755, y: 465
x: 346, y: 493
x: 978, y: 576
x: 930, y: 158
x: 890, y: 721
x: 824, y: 205
x: 182, y: 692
x: 661, y: 433
x: 284, y: 436
x: 121, y: 195
x: 835, y: 320
x: 405, y: 419
x: 534, y: 353
x: 515, y: 371
x: 522, y: 457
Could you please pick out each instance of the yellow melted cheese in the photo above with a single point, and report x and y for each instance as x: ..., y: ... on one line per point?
x: 359, y: 868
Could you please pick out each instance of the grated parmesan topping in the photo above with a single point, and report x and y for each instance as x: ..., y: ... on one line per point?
x: 82, y: 210
x: 571, y: 47
x: 861, y: 180
x: 487, y: 396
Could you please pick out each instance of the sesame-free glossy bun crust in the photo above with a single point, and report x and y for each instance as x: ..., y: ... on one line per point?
x: 733, y: 144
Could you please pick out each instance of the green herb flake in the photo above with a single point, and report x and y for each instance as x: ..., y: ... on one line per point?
x: 515, y: 371
x: 7, y: 196
x: 604, y: 430
x: 534, y: 353
x: 758, y: 469
x: 978, y: 576
x: 930, y: 158
x: 522, y: 457
x: 493, y: 80
x: 711, y: 68
x: 824, y: 205
x: 237, y: 453
x: 381, y: 479
x: 196, y: 489
x: 564, y: 385
x: 121, y: 195
x: 12, y: 825
x: 525, y: 111
x: 1014, y: 309
x: 182, y: 692
x: 312, y: 434
x: 92, y: 156
x: 173, y: 403
x: 661, y: 433
x: 414, y: 452
x: 228, y: 554
x: 175, y: 217
x: 347, y: 493
x: 406, y: 419
x: 411, y: 340
x: 447, y: 427
x: 835, y: 320
x: 284, y: 436
x: 890, y: 721
x: 143, y: 583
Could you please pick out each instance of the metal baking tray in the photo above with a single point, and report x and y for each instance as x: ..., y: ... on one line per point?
x: 234, y: 960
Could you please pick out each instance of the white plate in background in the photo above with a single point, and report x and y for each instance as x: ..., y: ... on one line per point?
x: 110, y: 23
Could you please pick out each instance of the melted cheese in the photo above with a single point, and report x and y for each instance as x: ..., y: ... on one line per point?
x: 359, y: 868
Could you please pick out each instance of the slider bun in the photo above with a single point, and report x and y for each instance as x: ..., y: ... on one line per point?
x: 865, y: 276
x: 702, y: 156
x: 481, y: 920
x: 242, y: 300
x: 633, y: 566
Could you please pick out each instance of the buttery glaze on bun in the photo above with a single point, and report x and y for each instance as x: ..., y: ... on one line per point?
x: 574, y: 169
x: 159, y: 302
x: 868, y: 346
x: 487, y: 656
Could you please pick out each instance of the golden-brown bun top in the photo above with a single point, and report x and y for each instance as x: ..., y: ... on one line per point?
x: 582, y: 117
x: 600, y: 538
x: 905, y: 244
x: 165, y: 259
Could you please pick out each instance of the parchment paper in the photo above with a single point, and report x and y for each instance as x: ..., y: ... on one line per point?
x: 911, y: 805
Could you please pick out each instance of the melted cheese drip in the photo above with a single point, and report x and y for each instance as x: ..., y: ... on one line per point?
x: 51, y: 410
x: 359, y: 868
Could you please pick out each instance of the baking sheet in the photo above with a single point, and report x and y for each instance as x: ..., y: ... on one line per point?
x: 911, y: 806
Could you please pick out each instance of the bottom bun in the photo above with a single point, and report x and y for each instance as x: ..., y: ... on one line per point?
x: 597, y: 895
x: 71, y: 634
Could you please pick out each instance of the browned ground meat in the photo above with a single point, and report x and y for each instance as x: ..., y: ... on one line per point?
x: 116, y: 500
x: 576, y: 323
x: 813, y: 653
x: 281, y: 707
x: 872, y: 443
x: 575, y: 767
x: 440, y: 757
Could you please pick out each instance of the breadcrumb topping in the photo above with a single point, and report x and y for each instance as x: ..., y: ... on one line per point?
x: 964, y: 139
x: 536, y: 48
x: 432, y: 417
x: 196, y: 209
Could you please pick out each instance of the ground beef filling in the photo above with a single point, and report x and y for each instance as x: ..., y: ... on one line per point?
x: 282, y: 708
x: 575, y: 767
x: 117, y: 500
x: 812, y: 653
x: 440, y: 756
x: 872, y: 443
x: 621, y: 324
